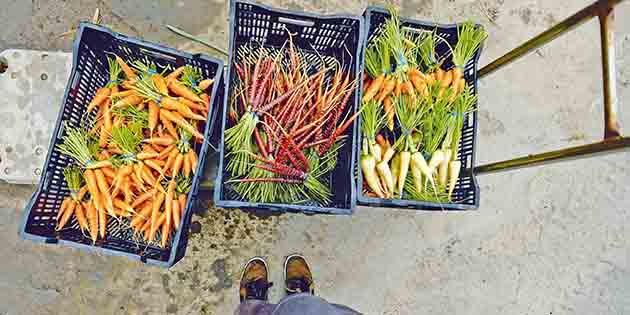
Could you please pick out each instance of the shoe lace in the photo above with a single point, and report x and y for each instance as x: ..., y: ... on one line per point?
x: 257, y: 289
x: 298, y: 285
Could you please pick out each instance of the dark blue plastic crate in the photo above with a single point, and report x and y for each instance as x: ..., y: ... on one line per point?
x: 466, y: 193
x: 89, y: 72
x: 335, y: 36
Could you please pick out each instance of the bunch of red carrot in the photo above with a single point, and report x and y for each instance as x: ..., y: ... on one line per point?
x: 137, y: 154
x: 287, y: 119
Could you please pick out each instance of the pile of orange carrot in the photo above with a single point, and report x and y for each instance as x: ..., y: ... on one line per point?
x: 414, y: 111
x: 135, y: 152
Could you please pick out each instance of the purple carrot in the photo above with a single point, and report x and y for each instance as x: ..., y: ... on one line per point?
x: 264, y: 84
x: 259, y: 142
x: 293, y: 174
x: 252, y: 93
x: 281, y: 98
x: 323, y: 149
x: 268, y: 180
x: 286, y: 170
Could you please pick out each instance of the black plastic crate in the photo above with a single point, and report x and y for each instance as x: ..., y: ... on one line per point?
x: 89, y: 72
x: 466, y: 192
x: 337, y: 36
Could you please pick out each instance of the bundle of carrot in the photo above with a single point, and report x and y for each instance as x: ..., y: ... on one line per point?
x: 133, y: 160
x: 287, y: 121
x: 414, y: 112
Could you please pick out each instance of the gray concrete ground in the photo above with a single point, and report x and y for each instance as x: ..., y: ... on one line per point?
x: 549, y: 240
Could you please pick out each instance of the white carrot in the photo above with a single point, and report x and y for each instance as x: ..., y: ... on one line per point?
x: 368, y: 166
x: 453, y: 169
x: 417, y: 176
x: 421, y: 163
x: 388, y: 154
x: 436, y: 159
x: 443, y: 170
x: 386, y: 175
x: 405, y: 157
x: 395, y: 168
x: 376, y: 151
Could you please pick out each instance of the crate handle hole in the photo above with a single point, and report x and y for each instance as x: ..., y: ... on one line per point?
x: 306, y: 23
x: 158, y: 54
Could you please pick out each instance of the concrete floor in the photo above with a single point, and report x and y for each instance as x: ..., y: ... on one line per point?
x: 548, y: 240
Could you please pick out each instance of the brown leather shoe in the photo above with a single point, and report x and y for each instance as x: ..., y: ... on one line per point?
x: 254, y: 282
x: 297, y: 275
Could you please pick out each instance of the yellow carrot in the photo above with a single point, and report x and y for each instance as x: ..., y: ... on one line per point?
x: 395, y: 168
x: 443, y: 168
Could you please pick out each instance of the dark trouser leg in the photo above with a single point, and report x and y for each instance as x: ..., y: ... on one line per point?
x: 254, y: 307
x: 306, y: 304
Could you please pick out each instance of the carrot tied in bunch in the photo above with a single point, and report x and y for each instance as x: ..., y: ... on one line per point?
x: 139, y: 155
x: 423, y: 103
x: 287, y: 116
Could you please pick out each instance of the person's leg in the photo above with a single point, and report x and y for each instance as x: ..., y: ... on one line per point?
x: 308, y: 304
x: 254, y: 307
x: 300, y: 289
x: 253, y: 289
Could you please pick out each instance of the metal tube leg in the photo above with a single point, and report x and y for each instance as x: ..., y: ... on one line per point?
x: 586, y: 151
x: 606, y: 20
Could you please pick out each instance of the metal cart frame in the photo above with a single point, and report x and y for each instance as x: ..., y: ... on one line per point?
x: 613, y: 140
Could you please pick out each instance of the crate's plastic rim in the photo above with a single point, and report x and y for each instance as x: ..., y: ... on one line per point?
x: 280, y: 206
x: 195, y: 184
x: 379, y: 9
x: 302, y: 13
x: 417, y: 204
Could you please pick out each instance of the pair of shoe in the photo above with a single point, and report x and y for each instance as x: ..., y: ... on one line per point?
x: 255, y: 283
